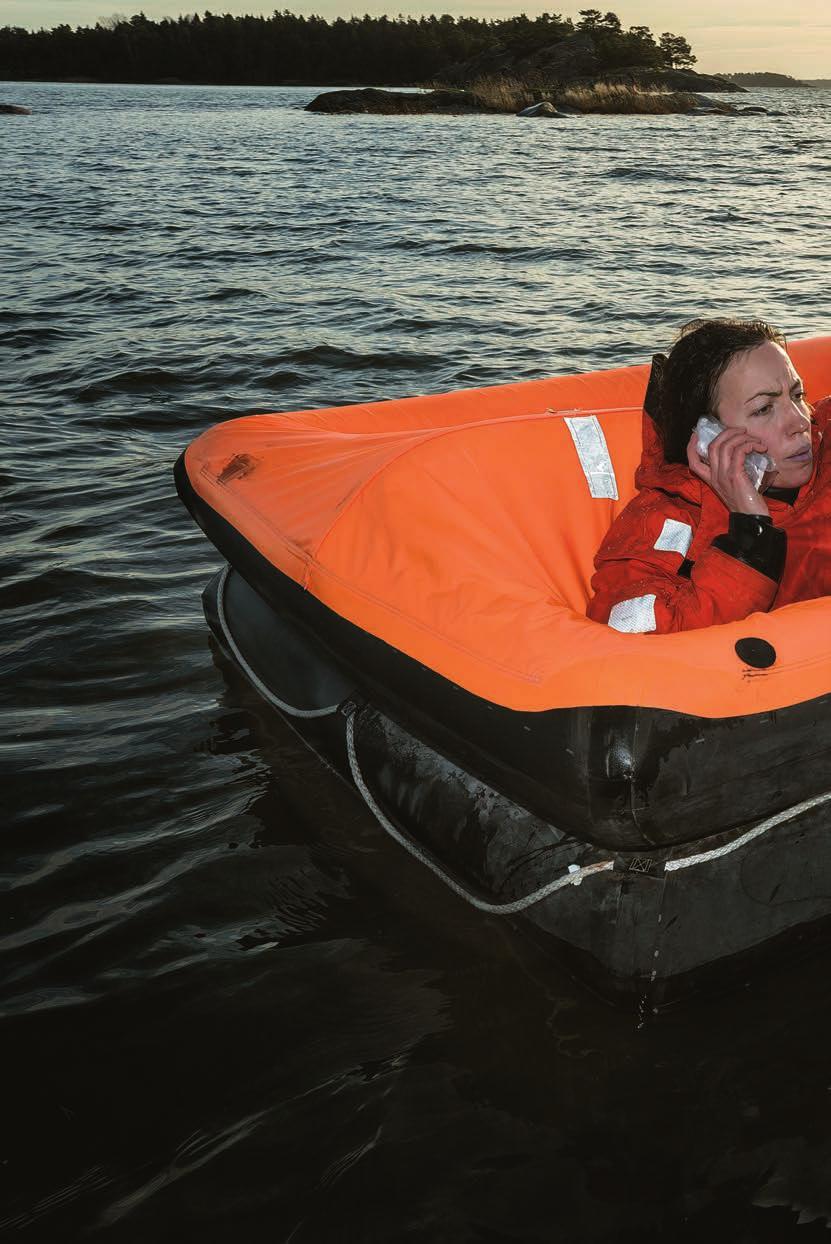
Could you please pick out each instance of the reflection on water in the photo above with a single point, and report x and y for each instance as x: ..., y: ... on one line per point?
x: 233, y: 1008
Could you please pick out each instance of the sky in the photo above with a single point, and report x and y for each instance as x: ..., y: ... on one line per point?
x: 774, y: 35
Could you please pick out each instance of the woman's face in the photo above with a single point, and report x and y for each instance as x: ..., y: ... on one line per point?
x: 759, y: 390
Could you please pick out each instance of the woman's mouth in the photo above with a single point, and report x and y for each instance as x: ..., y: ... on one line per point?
x: 802, y: 455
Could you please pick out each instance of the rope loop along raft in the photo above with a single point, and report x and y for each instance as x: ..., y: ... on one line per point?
x: 428, y: 560
x: 574, y: 876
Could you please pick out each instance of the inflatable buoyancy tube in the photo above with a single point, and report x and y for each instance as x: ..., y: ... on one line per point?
x: 409, y: 588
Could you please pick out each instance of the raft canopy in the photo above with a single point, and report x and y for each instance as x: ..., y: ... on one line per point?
x: 461, y: 529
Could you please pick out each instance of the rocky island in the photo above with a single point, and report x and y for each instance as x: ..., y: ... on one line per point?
x: 500, y: 96
x: 558, y: 69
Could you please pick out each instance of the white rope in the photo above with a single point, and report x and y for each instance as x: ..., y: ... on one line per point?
x: 571, y: 878
x: 689, y: 861
x: 250, y: 674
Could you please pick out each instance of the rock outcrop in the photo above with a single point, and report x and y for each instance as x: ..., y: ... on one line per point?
x: 400, y: 103
x: 545, y: 109
x: 452, y: 102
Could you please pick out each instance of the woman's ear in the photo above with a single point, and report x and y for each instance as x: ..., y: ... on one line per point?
x: 653, y: 389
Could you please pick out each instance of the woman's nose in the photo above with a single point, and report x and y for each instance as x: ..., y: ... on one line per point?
x: 797, y: 417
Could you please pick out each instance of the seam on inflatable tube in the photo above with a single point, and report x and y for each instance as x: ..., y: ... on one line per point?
x: 252, y: 677
x: 423, y: 436
x: 323, y: 572
x: 499, y: 909
x: 703, y: 857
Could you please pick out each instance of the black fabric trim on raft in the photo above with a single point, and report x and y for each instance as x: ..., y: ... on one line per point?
x: 618, y: 776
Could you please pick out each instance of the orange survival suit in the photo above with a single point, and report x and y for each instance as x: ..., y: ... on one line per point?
x: 676, y: 559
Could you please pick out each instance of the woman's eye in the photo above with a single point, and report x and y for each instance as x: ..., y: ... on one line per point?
x: 763, y: 410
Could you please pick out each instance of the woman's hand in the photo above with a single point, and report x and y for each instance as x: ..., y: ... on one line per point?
x: 724, y: 469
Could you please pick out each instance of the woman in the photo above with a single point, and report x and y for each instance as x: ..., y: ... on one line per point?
x: 699, y: 545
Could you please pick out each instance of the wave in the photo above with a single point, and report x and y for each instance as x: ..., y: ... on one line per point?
x: 232, y: 293
x: 340, y: 358
x: 134, y: 380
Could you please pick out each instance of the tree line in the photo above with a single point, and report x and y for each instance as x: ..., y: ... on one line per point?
x: 286, y: 48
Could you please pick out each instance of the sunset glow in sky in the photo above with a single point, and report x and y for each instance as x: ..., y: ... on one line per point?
x: 793, y: 37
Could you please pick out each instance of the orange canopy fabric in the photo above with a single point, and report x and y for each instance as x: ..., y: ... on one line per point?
x: 462, y: 529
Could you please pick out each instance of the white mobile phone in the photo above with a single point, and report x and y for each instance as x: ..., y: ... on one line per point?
x: 755, y: 464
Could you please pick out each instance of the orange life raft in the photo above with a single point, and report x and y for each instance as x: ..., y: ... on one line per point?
x: 409, y: 587
x: 462, y: 529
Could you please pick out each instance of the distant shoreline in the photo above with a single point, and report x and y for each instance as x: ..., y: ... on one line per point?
x: 256, y: 86
x: 775, y: 81
x: 740, y: 79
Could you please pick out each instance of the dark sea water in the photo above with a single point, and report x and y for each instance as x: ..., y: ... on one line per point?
x: 232, y: 1009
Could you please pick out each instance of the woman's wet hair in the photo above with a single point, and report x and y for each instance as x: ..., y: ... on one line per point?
x: 682, y: 386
